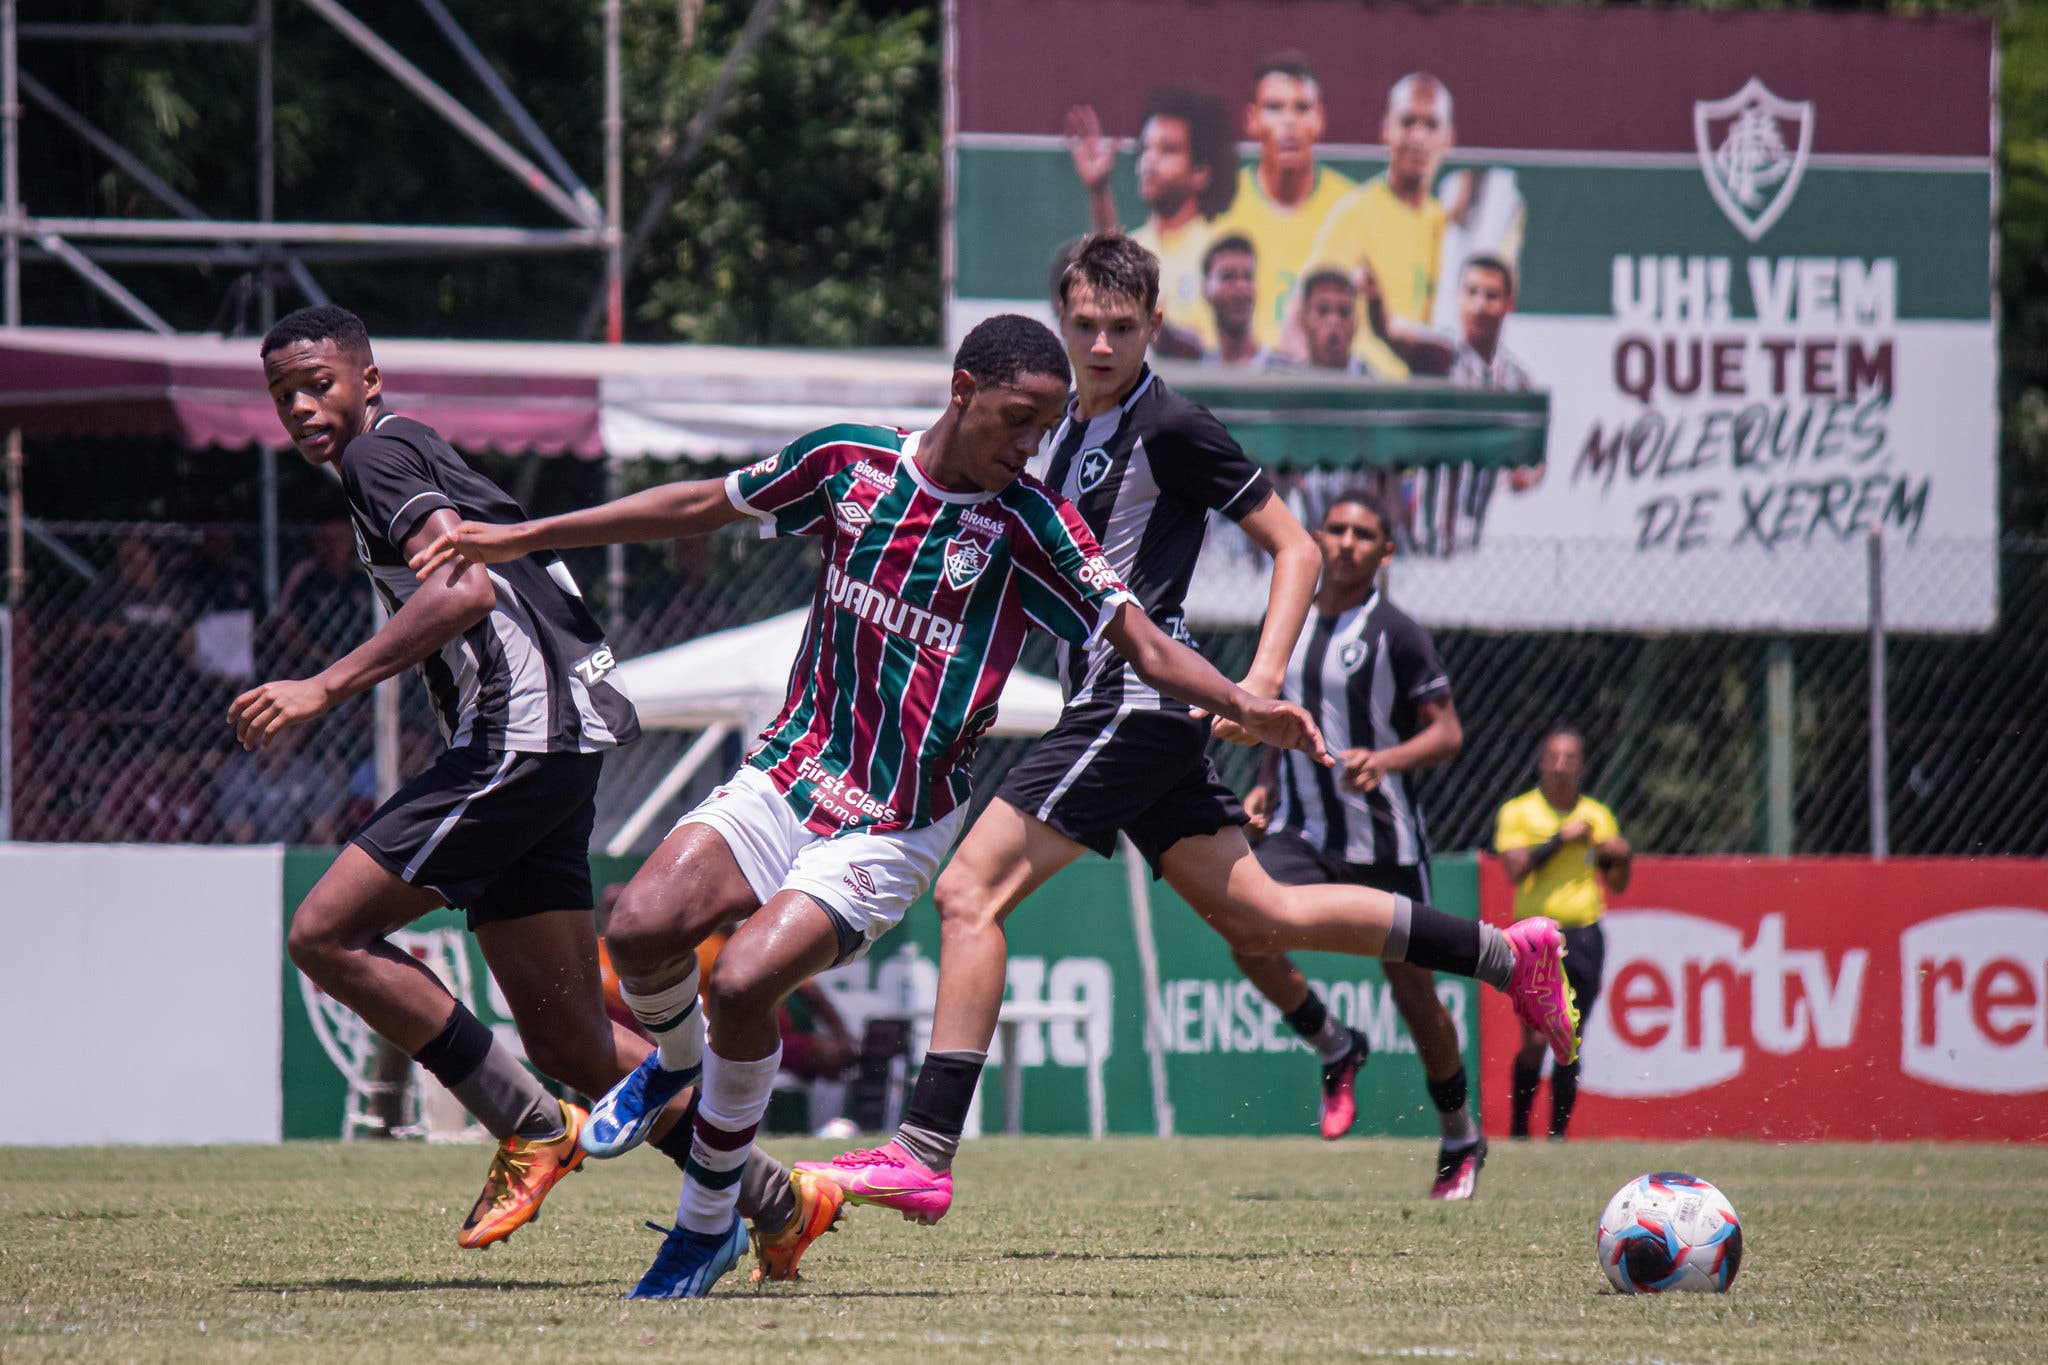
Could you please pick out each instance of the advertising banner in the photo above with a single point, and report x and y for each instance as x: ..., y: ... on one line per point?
x: 1233, y: 1066
x: 1748, y: 255
x: 1808, y: 999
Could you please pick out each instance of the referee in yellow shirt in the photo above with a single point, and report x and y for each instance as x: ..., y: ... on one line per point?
x: 1565, y: 854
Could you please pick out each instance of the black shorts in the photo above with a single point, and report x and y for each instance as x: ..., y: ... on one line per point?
x: 500, y: 835
x: 1293, y: 861
x: 1585, y: 959
x: 1146, y: 773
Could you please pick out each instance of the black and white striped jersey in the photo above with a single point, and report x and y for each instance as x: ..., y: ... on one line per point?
x: 534, y: 676
x: 1363, y: 675
x: 1145, y: 475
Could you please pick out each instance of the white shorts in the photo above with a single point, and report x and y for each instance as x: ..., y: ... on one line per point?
x: 865, y: 881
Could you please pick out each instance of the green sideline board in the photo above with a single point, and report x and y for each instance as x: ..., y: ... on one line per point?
x: 1232, y: 1065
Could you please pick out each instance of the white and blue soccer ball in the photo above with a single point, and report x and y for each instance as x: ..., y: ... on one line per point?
x: 1670, y: 1231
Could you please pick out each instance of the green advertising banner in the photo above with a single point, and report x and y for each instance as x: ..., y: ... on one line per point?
x: 1232, y: 1065
x: 1747, y: 258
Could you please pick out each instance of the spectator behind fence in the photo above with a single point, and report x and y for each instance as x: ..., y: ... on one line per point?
x: 1565, y: 854
x: 131, y: 634
x: 280, y: 794
x: 222, y: 585
x: 323, y: 608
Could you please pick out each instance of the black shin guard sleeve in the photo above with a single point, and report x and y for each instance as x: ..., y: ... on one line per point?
x: 945, y: 1089
x: 454, y: 1054
x: 1442, y: 942
x: 1308, y: 1018
x: 1450, y: 1093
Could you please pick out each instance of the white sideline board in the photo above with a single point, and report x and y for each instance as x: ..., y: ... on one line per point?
x: 141, y: 994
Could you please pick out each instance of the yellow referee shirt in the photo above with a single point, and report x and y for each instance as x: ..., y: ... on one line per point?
x: 1568, y: 887
x: 1180, y: 273
x: 1281, y: 236
x: 1403, y: 244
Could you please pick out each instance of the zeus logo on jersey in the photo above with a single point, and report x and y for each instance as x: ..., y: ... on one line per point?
x: 965, y: 559
x: 892, y: 614
x: 593, y: 666
x: 1094, y: 468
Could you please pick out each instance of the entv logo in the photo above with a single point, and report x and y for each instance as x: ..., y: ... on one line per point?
x: 1686, y: 999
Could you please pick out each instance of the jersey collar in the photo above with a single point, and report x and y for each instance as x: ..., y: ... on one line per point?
x: 924, y: 480
x: 1123, y: 405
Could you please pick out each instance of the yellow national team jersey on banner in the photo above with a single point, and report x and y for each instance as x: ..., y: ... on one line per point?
x: 1180, y: 273
x: 1403, y: 244
x: 1281, y: 236
x: 1568, y: 887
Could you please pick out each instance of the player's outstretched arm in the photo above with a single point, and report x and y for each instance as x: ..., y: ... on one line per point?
x: 670, y: 512
x: 445, y: 605
x: 1296, y: 566
x: 1178, y: 671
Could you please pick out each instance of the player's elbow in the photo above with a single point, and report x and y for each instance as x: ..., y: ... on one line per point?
x: 474, y: 595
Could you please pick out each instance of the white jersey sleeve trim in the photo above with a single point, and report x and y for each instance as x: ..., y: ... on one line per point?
x: 740, y: 504
x: 391, y: 531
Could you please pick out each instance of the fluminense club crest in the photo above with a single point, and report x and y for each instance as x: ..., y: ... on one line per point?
x: 966, y: 557
x: 1753, y: 148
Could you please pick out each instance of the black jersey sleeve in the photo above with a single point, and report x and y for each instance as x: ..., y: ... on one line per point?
x: 1419, y: 675
x: 1197, y: 458
x: 390, y: 485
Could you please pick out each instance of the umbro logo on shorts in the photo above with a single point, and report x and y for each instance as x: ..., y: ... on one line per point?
x: 860, y: 881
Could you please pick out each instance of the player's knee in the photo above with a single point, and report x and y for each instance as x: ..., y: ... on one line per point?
x: 966, y: 904
x: 740, y: 989
x: 312, y: 944
x: 640, y: 934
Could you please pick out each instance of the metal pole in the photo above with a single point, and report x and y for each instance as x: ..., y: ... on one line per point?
x: 17, y: 587
x: 10, y: 167
x: 509, y: 105
x: 362, y: 234
x: 1778, y: 761
x: 82, y: 266
x: 266, y: 194
x: 614, y: 185
x: 451, y: 109
x: 1880, y: 757
x: 615, y: 561
x: 266, y: 459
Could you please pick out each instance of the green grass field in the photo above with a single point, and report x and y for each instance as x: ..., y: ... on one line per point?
x: 1209, y: 1249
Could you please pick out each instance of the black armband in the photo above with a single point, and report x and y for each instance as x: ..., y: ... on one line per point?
x: 1545, y: 851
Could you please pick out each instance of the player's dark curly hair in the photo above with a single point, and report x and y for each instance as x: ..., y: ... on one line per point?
x: 323, y: 322
x: 1210, y: 144
x: 1003, y: 349
x: 1228, y: 242
x: 1326, y: 275
x: 1358, y: 495
x: 1112, y: 263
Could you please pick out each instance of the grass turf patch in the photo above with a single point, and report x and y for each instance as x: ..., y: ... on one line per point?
x: 1130, y: 1248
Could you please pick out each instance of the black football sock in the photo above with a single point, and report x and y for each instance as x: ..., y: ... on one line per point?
x: 1450, y: 1096
x: 1564, y: 1095
x: 1528, y: 1076
x: 1428, y: 937
x: 490, y: 1082
x: 937, y: 1114
x: 1319, y: 1028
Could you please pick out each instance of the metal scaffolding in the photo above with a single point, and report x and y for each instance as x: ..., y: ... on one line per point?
x: 89, y: 246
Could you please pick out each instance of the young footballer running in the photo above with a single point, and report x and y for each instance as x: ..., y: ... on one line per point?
x: 1145, y: 467
x: 938, y: 554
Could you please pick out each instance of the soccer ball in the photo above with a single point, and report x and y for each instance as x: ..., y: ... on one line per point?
x: 1668, y: 1230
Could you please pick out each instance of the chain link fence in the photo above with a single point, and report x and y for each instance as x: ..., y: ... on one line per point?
x: 130, y: 640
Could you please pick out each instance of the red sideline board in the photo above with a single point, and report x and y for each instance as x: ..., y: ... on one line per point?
x: 1807, y: 999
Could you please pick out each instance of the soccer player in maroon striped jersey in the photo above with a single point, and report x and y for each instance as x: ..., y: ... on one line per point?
x: 939, y: 554
x: 1145, y: 467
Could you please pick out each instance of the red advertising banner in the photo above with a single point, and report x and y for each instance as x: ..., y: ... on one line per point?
x: 1807, y: 999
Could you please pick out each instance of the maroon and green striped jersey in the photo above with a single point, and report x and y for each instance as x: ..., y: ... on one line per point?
x: 917, y: 620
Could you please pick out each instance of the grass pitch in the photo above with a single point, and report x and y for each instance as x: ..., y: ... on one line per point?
x: 1197, y: 1249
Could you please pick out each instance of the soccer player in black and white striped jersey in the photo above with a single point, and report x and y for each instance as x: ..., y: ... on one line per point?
x: 499, y: 825
x: 1370, y: 676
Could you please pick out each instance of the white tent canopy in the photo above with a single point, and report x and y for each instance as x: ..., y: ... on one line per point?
x: 735, y: 681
